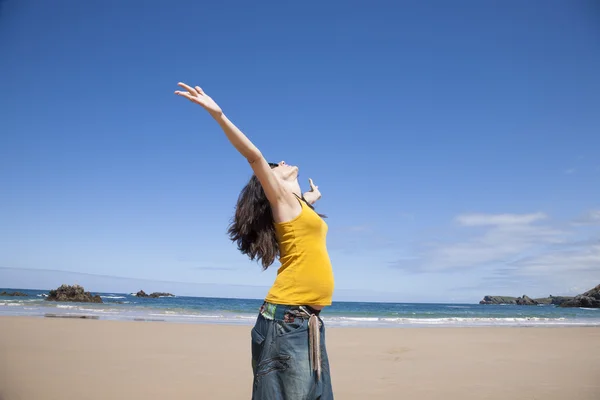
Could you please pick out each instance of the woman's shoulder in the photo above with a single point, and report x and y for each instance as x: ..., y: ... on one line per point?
x: 288, y: 210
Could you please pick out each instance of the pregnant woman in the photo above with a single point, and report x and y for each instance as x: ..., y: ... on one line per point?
x: 273, y: 219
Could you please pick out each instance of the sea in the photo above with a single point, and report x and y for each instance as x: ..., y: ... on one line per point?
x: 185, y: 309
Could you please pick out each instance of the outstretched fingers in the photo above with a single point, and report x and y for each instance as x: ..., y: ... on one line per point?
x: 184, y: 94
x: 191, y: 93
x: 190, y: 89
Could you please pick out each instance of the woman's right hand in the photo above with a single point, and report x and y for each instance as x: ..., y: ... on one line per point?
x: 198, y: 96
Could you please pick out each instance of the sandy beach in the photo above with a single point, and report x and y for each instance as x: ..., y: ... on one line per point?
x: 47, y: 358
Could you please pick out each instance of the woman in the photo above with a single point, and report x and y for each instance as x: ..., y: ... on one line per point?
x: 274, y: 219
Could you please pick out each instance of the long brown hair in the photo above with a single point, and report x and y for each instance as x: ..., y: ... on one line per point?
x: 252, y: 227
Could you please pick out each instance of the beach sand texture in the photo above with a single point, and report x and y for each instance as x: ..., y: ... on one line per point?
x: 47, y: 359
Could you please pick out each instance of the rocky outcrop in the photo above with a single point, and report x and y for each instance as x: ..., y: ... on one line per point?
x: 154, y: 295
x: 589, y: 299
x: 558, y: 300
x: 544, y: 300
x: 498, y: 300
x: 73, y: 293
x: 161, y: 294
x: 525, y: 300
x: 10, y: 294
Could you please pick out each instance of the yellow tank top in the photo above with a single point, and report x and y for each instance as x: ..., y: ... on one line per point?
x: 305, y: 276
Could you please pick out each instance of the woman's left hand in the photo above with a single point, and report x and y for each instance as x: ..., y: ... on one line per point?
x: 197, y: 95
x: 313, y: 194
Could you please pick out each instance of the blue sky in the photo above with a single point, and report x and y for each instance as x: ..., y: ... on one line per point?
x: 457, y: 145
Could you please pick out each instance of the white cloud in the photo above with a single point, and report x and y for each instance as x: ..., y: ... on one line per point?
x: 592, y: 217
x: 500, y: 243
x: 498, y: 219
x: 511, y: 246
x: 569, y: 261
x: 572, y: 269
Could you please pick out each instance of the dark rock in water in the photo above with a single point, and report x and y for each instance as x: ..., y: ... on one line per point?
x: 73, y: 293
x: 13, y: 294
x: 498, y: 300
x: 589, y: 299
x: 154, y: 295
x: 161, y: 294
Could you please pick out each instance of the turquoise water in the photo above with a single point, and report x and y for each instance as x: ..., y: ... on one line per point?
x: 124, y: 306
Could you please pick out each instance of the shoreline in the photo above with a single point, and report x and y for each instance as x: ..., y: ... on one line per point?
x: 250, y: 319
x: 227, y: 311
x: 54, y: 358
x: 249, y: 322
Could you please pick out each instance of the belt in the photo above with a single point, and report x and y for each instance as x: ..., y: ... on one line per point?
x: 277, y: 312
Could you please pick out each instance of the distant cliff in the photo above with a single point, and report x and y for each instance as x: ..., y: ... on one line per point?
x: 589, y: 299
x: 525, y: 300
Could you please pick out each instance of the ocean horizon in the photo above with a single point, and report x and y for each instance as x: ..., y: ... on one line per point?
x: 237, y: 311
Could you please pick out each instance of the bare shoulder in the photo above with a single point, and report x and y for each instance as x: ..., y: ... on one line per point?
x: 287, y: 208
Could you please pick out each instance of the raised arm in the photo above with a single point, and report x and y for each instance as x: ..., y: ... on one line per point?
x: 271, y: 185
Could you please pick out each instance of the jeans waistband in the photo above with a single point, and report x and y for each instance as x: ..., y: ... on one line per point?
x: 278, y: 311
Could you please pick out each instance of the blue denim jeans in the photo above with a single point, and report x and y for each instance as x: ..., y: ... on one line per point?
x: 281, y: 361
